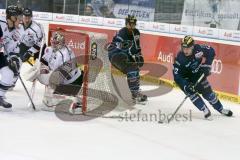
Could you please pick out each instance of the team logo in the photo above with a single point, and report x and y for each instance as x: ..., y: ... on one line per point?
x: 199, y: 55
x: 217, y: 66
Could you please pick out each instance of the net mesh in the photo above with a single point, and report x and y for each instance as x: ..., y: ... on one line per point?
x: 98, y: 94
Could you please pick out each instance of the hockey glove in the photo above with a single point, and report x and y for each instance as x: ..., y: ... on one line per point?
x: 126, y: 45
x: 189, y: 89
x: 14, y: 64
x: 1, y: 42
x: 140, y: 60
x: 26, y: 56
x: 206, y: 69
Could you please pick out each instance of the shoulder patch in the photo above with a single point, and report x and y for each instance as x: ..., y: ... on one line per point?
x: 199, y: 55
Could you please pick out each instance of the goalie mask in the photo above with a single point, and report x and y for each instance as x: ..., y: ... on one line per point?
x: 57, y: 41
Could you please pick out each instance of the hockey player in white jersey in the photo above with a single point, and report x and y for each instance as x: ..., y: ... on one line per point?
x: 9, y: 59
x: 31, y: 36
x: 59, y: 70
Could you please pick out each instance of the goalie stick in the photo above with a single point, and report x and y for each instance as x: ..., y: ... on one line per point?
x: 180, y: 105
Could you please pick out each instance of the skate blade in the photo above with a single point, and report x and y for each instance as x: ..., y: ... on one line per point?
x: 6, y: 109
x: 209, y: 118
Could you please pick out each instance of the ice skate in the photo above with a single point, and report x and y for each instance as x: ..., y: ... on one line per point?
x: 207, y: 114
x: 139, y: 98
x: 5, y: 104
x: 75, y: 108
x: 226, y: 112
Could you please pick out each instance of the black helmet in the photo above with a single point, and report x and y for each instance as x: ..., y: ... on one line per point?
x: 130, y: 19
x: 187, y: 42
x: 12, y: 11
x: 27, y: 12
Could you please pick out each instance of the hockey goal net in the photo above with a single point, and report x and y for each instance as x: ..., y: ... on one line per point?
x: 97, y: 93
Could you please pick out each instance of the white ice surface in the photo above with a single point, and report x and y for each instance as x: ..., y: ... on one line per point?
x: 40, y: 135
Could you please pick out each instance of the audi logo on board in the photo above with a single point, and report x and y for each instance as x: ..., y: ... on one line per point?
x: 217, y: 66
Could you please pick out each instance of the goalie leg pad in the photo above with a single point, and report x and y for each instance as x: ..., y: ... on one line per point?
x: 33, y: 72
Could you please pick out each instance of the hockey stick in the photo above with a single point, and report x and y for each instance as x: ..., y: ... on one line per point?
x: 180, y: 105
x: 24, y: 86
x: 33, y: 106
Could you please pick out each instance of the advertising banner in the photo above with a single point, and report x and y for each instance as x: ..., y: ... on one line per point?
x: 90, y: 20
x: 223, y: 14
x: 205, y: 32
x: 162, y: 50
x: 181, y: 29
x: 47, y: 16
x: 142, y: 9
x: 65, y: 18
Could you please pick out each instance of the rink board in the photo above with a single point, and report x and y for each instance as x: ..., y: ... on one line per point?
x: 162, y: 50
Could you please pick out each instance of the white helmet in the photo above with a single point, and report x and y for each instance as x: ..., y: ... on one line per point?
x: 57, y: 40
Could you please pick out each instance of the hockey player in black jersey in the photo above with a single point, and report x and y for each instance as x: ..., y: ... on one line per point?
x: 188, y: 67
x: 125, y: 55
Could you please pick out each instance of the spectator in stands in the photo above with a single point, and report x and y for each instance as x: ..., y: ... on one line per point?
x: 2, y: 5
x: 36, y: 6
x: 88, y: 10
x: 106, y: 12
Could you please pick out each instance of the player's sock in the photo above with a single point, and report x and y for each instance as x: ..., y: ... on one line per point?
x: 4, y: 103
x: 199, y: 103
x: 133, y: 84
x: 133, y: 80
x: 217, y: 105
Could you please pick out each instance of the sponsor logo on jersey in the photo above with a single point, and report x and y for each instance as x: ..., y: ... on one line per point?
x: 136, y: 37
x: 199, y: 55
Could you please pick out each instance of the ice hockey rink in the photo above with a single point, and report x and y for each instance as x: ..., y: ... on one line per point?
x: 39, y: 135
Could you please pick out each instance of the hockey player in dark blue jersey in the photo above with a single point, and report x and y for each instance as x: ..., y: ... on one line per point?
x: 188, y: 67
x: 125, y: 55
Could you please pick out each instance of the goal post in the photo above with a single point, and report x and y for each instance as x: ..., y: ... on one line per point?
x: 98, y: 93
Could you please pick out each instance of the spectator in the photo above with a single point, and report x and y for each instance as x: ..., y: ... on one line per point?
x: 88, y: 10
x: 106, y: 12
x: 36, y: 6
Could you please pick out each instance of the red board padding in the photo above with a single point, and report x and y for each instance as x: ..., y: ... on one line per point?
x: 162, y: 49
